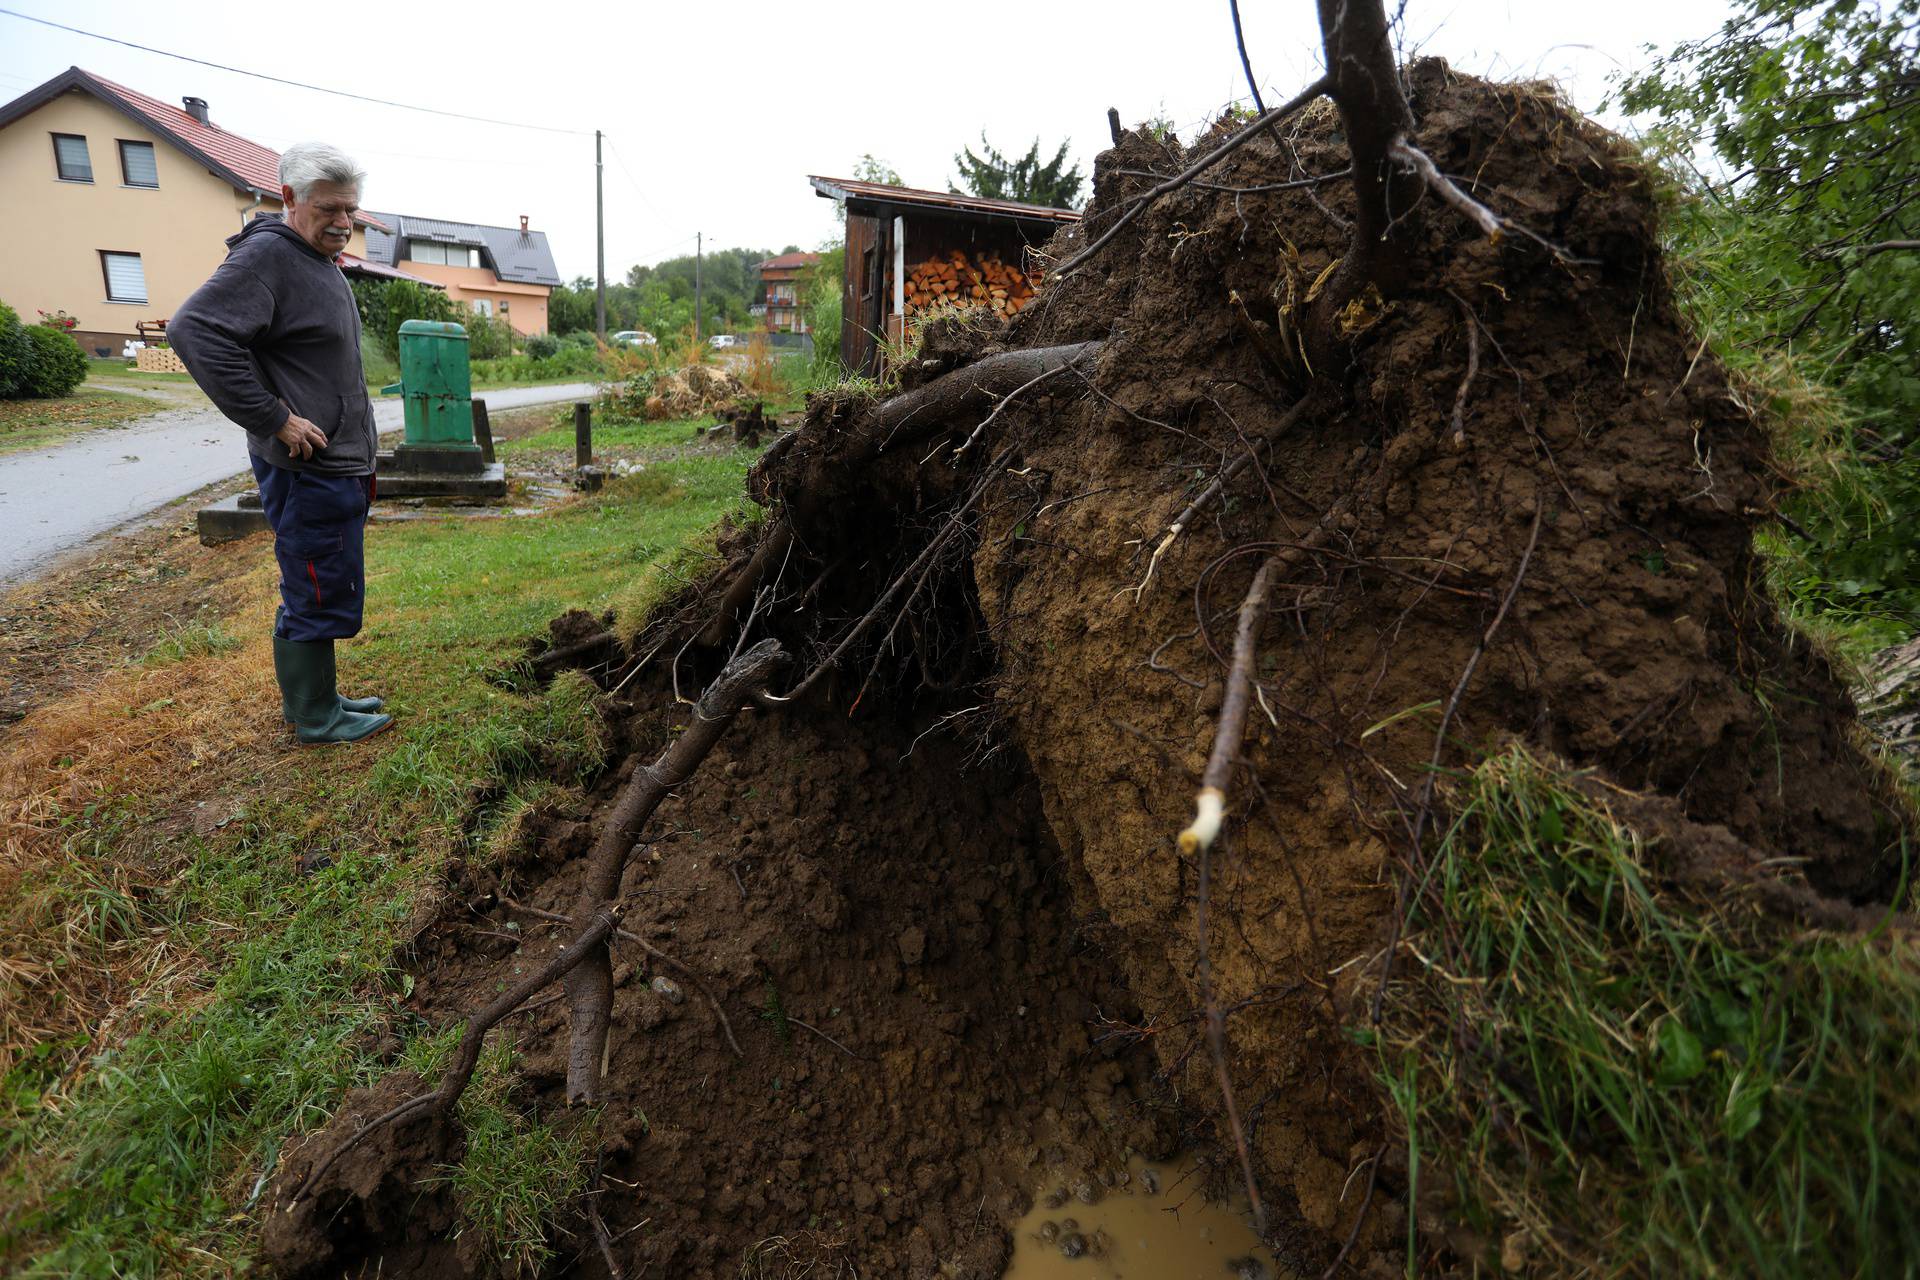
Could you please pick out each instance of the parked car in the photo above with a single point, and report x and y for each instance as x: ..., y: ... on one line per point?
x: 634, y: 338
x: 723, y: 340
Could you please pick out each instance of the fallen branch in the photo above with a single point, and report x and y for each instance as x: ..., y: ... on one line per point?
x: 930, y: 407
x: 1206, y: 497
x: 773, y: 548
x: 1466, y: 382
x: 627, y: 935
x: 1491, y: 224
x: 829, y: 1039
x: 1210, y: 803
x: 466, y: 1056
x: 1140, y: 203
x: 590, y: 979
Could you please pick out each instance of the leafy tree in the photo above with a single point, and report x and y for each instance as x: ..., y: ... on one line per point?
x: 868, y: 169
x: 992, y: 176
x: 1803, y: 240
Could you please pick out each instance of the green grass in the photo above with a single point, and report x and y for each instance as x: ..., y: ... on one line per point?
x: 191, y: 640
x: 517, y: 1173
x: 36, y: 424
x: 1639, y: 1080
x: 157, y: 1151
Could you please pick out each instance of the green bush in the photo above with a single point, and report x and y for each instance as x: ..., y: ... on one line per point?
x: 16, y: 355
x: 58, y: 364
x: 542, y: 345
x: 570, y: 361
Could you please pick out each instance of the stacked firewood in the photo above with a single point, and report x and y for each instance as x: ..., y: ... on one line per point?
x: 956, y: 280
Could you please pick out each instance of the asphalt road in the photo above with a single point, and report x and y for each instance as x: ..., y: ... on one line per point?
x: 54, y: 500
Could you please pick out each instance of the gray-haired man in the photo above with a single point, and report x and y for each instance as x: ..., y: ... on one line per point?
x: 274, y: 340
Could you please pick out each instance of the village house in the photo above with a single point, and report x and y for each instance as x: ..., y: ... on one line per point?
x: 121, y: 204
x: 896, y: 234
x: 495, y: 271
x: 779, y: 306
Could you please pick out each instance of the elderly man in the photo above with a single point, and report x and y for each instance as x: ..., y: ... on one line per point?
x: 274, y: 340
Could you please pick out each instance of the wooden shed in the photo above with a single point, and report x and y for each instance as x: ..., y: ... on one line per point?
x: 890, y: 230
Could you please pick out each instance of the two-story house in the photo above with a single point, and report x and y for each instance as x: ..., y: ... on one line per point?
x: 779, y: 304
x: 119, y: 205
x: 495, y: 271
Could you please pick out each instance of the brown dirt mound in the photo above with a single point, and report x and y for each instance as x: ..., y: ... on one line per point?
x: 694, y: 390
x: 944, y: 910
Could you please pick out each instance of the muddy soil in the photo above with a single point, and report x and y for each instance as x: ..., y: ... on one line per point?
x: 892, y: 891
x: 989, y: 934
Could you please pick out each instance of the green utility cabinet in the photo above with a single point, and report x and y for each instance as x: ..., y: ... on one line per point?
x: 438, y: 457
x: 437, y: 382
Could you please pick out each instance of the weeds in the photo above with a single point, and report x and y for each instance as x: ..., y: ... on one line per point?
x: 517, y: 1174
x: 1633, y: 1078
x: 191, y: 640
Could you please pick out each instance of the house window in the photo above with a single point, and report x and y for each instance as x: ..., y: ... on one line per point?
x: 126, y: 277
x: 71, y: 159
x: 137, y: 165
x: 438, y: 254
x: 483, y: 307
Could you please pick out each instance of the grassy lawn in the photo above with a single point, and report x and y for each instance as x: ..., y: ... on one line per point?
x: 200, y: 919
x: 34, y: 424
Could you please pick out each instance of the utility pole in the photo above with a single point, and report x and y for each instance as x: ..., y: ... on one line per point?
x: 600, y: 240
x: 696, y: 284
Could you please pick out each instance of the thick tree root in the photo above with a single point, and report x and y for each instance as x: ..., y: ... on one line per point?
x: 590, y: 979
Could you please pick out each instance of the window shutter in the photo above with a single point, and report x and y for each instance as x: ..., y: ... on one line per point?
x: 126, y: 277
x: 71, y: 153
x: 137, y: 164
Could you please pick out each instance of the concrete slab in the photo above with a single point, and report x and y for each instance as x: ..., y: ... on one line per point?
x: 230, y: 519
x: 481, y: 486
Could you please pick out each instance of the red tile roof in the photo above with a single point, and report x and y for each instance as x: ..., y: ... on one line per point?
x: 244, y: 163
x: 789, y: 261
x: 258, y: 165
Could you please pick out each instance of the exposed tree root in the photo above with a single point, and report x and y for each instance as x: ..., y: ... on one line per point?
x: 590, y: 978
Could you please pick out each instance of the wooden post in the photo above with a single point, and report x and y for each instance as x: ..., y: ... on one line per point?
x: 582, y: 434
x: 483, y: 431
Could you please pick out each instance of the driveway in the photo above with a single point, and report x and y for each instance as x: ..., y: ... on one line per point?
x: 54, y: 500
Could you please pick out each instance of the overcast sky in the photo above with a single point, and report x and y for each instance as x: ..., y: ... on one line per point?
x: 716, y: 112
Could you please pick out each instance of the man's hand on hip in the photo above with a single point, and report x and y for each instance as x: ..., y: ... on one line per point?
x: 301, y: 437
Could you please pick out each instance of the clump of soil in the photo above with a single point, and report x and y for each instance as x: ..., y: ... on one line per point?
x: 990, y: 931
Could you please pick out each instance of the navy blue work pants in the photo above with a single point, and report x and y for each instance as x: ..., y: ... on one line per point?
x: 319, y: 523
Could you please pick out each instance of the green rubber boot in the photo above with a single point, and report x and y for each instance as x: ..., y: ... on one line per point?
x: 365, y: 706
x: 306, y: 674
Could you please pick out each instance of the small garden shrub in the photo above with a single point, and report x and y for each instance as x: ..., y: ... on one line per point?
x: 16, y: 355
x: 58, y: 364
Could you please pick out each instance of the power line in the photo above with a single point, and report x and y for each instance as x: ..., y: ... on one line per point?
x: 297, y: 84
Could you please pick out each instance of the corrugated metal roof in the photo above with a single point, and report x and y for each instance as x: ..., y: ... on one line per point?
x: 855, y: 192
x: 445, y: 232
x: 244, y: 163
x: 519, y: 257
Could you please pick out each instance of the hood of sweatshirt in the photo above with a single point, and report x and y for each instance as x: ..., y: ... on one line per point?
x: 272, y: 224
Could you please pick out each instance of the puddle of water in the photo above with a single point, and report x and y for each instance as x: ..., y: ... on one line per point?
x: 1133, y: 1233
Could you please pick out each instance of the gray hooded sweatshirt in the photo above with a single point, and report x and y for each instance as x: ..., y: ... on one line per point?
x: 276, y: 329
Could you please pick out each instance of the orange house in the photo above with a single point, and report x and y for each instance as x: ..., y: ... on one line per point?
x: 495, y: 271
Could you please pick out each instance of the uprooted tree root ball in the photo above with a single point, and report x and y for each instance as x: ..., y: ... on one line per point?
x: 1182, y: 526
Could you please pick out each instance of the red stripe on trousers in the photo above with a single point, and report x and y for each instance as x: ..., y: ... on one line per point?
x: 315, y: 579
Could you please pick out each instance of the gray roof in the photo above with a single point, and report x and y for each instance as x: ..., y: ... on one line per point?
x: 520, y: 257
